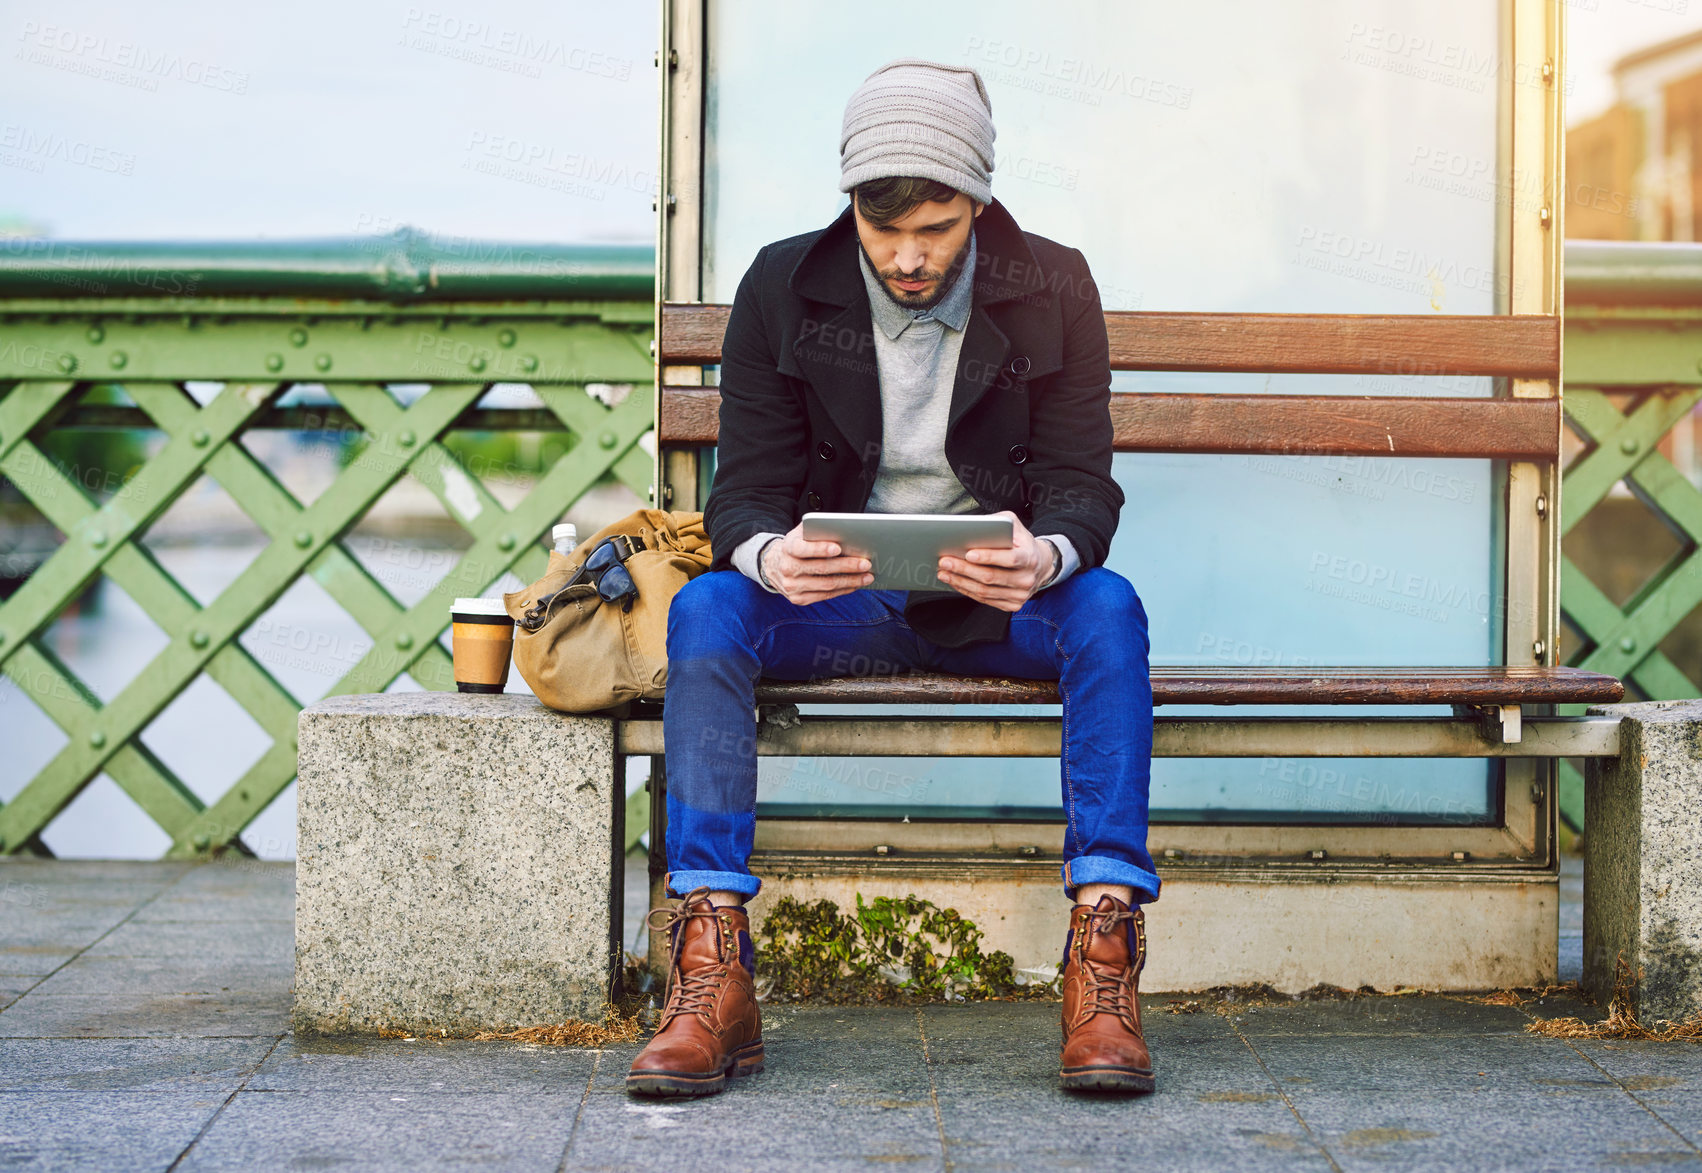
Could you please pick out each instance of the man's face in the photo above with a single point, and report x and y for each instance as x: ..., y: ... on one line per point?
x: 917, y: 257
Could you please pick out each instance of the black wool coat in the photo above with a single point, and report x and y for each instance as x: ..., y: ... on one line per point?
x: 1029, y: 428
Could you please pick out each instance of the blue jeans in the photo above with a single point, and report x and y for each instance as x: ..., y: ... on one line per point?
x: 1088, y: 632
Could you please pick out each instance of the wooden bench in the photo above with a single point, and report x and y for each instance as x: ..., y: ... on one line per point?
x: 1486, y: 881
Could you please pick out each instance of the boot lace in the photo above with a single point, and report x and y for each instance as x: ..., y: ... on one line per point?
x: 687, y: 993
x: 1109, y: 993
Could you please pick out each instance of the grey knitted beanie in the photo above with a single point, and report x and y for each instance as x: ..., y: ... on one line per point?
x: 922, y: 119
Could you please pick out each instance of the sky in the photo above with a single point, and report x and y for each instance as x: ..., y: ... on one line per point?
x: 519, y: 120
x: 515, y: 119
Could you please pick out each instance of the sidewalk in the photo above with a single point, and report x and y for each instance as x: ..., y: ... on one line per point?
x: 145, y: 1023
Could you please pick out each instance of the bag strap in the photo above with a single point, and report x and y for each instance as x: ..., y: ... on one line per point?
x: 626, y: 545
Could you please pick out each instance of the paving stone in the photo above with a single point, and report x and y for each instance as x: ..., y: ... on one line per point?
x: 1385, y: 1015
x: 1165, y: 1130
x: 40, y: 883
x: 381, y: 1131
x: 37, y: 960
x: 246, y: 890
x: 870, y: 1051
x: 996, y: 1072
x: 1044, y: 1019
x: 394, y: 1065
x: 66, y: 873
x: 119, y: 976
x: 1639, y: 1058
x: 113, y: 1132
x: 250, y: 941
x: 977, y: 1050
x: 1666, y: 1078
x: 1426, y: 1063
x: 1563, y: 1004
x: 13, y: 985
x: 87, y: 1065
x: 1562, y: 1129
x: 145, y: 1016
x: 759, y: 1123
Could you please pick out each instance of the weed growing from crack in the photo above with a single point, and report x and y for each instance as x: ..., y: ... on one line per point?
x: 889, y: 950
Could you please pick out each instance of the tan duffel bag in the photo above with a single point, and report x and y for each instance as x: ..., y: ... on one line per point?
x: 581, y: 654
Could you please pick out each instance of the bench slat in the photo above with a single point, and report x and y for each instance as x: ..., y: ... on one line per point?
x: 1515, y: 346
x: 1292, y: 425
x: 1213, y: 685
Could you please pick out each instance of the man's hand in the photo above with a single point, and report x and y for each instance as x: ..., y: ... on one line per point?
x: 1002, y: 578
x: 809, y: 572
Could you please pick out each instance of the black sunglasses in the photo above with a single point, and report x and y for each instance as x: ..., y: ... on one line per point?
x: 606, y: 568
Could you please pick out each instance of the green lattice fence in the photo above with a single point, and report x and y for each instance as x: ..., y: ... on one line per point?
x: 361, y: 350
x: 558, y: 320
x: 1633, y: 373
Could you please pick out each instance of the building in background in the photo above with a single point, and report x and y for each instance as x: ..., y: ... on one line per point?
x: 1635, y: 171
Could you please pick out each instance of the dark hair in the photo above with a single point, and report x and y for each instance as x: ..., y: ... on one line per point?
x: 883, y: 201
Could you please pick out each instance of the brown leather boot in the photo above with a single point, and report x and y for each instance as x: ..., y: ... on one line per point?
x: 1104, y: 1050
x: 711, y: 1027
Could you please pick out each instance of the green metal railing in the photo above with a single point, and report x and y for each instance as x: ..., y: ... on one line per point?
x: 359, y: 317
x: 363, y: 316
x: 1633, y: 370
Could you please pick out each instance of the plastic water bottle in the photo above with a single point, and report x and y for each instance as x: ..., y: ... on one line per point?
x: 565, y: 536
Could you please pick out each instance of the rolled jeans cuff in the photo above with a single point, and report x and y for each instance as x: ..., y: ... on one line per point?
x: 745, y: 884
x: 1102, y: 869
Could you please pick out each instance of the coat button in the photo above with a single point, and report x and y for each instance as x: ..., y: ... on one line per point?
x: 813, y: 501
x: 825, y: 450
x: 1019, y: 366
x: 1018, y: 454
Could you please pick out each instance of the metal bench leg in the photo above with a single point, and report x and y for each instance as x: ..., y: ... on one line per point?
x: 657, y: 954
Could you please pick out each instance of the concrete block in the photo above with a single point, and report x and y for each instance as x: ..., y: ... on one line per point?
x: 1216, y: 926
x: 1643, y: 858
x: 458, y: 864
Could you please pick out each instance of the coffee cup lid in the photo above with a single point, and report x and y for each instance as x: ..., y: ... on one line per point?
x: 479, y: 607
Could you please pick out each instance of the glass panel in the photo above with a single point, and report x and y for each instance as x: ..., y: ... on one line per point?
x: 1335, y: 157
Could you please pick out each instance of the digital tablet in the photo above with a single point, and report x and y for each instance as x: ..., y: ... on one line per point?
x: 904, y: 549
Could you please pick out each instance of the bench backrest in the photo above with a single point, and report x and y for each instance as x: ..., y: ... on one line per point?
x: 1511, y: 346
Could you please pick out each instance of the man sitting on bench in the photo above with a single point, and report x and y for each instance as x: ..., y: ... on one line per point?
x: 921, y: 354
